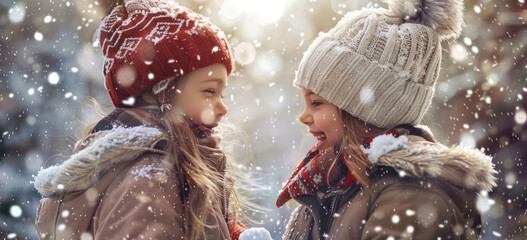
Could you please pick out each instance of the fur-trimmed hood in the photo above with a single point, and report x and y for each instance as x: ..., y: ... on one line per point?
x: 98, y: 153
x: 413, y: 156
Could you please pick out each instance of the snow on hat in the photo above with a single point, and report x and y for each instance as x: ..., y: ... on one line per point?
x: 382, y: 65
x: 147, y: 41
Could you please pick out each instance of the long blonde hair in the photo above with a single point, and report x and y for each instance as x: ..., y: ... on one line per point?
x: 198, y: 179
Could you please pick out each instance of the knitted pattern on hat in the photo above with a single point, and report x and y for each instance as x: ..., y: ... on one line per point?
x: 147, y: 41
x: 382, y: 65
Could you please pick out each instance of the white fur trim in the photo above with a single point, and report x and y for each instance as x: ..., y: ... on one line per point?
x: 463, y: 167
x: 383, y: 144
x: 255, y: 234
x: 106, y: 149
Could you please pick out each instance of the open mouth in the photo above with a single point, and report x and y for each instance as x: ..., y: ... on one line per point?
x: 319, y: 136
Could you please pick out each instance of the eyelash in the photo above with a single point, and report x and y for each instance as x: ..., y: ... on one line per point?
x: 316, y: 103
x: 212, y: 91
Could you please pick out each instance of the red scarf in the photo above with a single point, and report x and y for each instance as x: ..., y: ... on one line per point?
x: 308, y: 179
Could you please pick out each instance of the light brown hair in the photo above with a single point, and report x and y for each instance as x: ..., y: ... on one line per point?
x: 355, y: 133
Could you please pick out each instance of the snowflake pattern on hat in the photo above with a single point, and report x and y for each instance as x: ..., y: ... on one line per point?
x: 164, y: 29
x: 129, y: 45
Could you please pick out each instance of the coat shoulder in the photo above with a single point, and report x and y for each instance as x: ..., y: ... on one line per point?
x: 151, y: 166
x: 390, y: 180
x: 147, y: 192
x: 148, y: 174
x: 432, y: 206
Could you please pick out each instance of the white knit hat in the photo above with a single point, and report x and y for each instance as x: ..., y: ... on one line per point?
x: 382, y: 65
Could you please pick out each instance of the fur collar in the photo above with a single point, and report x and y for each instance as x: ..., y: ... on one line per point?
x: 415, y: 157
x: 98, y: 152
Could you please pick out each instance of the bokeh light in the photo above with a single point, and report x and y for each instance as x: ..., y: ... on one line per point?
x: 17, y: 13
x: 53, y: 78
x: 244, y: 53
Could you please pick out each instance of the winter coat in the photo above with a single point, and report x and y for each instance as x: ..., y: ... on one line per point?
x: 423, y: 190
x: 110, y: 189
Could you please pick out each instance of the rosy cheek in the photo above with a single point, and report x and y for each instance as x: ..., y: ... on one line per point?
x: 207, y: 116
x: 321, y: 122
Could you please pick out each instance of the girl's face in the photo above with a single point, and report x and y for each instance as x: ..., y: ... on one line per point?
x: 199, y: 95
x: 322, y: 119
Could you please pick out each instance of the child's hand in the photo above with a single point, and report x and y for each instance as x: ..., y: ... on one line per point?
x: 255, y: 234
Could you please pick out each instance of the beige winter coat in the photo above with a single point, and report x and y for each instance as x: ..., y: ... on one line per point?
x: 423, y: 190
x: 107, y: 190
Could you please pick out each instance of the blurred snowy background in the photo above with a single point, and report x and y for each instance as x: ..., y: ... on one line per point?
x: 49, y: 65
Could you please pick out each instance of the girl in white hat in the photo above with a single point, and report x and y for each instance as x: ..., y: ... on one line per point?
x: 374, y: 172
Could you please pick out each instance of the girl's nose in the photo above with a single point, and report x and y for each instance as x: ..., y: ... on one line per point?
x: 305, y: 118
x: 222, y: 109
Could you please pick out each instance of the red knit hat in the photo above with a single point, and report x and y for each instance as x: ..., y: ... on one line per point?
x: 148, y: 41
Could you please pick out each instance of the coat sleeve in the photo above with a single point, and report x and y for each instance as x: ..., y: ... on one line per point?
x: 413, y: 213
x: 145, y: 204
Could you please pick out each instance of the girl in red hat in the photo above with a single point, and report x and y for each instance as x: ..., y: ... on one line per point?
x: 152, y: 168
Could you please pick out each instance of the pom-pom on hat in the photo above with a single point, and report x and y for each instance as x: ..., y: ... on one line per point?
x: 381, y: 65
x: 147, y: 41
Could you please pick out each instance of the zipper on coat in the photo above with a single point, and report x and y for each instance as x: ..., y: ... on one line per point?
x: 333, y: 208
x: 330, y: 216
x: 327, y: 216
